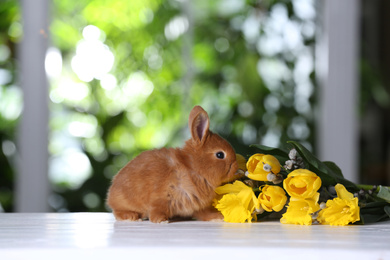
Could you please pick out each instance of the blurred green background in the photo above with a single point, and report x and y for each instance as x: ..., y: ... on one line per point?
x: 124, y: 75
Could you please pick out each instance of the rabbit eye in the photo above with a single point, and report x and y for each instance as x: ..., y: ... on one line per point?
x: 220, y: 155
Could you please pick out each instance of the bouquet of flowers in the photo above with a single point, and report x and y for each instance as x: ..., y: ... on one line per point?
x: 303, y: 190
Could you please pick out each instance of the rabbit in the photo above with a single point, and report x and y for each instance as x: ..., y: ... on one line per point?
x: 166, y: 183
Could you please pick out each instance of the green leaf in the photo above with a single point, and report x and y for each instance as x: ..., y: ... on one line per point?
x: 327, y: 175
x: 271, y: 150
x: 332, y: 166
x: 375, y: 204
x: 309, y: 157
x: 387, y: 210
x: 372, y: 211
x: 384, y: 193
x: 279, y: 153
x: 371, y: 218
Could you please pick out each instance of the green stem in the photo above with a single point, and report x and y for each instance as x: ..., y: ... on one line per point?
x: 285, y: 169
x: 367, y: 187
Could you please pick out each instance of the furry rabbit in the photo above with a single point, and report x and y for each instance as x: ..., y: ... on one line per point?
x: 175, y: 182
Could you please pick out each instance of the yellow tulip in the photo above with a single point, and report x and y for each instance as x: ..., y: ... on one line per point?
x: 260, y: 165
x: 302, y: 184
x: 235, y: 187
x: 237, y: 200
x: 272, y: 198
x: 341, y: 210
x: 234, y: 207
x: 342, y: 192
x: 300, y: 211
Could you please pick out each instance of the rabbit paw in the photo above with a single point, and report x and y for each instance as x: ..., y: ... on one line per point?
x: 159, y: 219
x: 217, y: 220
x: 208, y: 214
x: 127, y: 215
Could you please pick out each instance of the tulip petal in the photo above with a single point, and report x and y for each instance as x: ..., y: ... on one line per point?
x: 342, y: 192
x: 302, y: 184
x: 233, y: 210
x: 341, y: 210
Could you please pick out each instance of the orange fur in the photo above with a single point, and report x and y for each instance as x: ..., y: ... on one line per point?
x: 175, y: 182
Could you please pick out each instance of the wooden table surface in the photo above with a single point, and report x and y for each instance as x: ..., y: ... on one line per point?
x: 98, y: 236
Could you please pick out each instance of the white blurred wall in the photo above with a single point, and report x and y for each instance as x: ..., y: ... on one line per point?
x: 337, y: 65
x: 32, y: 185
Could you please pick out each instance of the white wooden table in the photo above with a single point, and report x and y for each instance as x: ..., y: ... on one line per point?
x: 95, y: 236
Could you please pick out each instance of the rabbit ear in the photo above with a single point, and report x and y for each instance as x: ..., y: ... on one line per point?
x: 198, y: 123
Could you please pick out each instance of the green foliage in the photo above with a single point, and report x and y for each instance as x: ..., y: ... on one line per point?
x: 9, y: 13
x: 384, y: 193
x: 377, y: 207
x: 279, y: 153
x: 168, y: 56
x: 374, y: 212
x: 329, y: 172
x: 329, y: 175
x: 387, y: 210
x: 10, y: 99
x: 334, y: 168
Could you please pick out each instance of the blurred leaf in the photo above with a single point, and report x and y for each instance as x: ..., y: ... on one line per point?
x: 10, y: 16
x: 332, y: 166
x: 373, y: 212
x: 370, y: 218
x: 387, y: 210
x: 384, y: 193
x: 327, y: 175
x: 375, y: 204
x: 59, y: 29
x: 279, y: 153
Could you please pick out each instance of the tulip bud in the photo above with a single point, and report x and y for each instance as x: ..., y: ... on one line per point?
x: 260, y: 165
